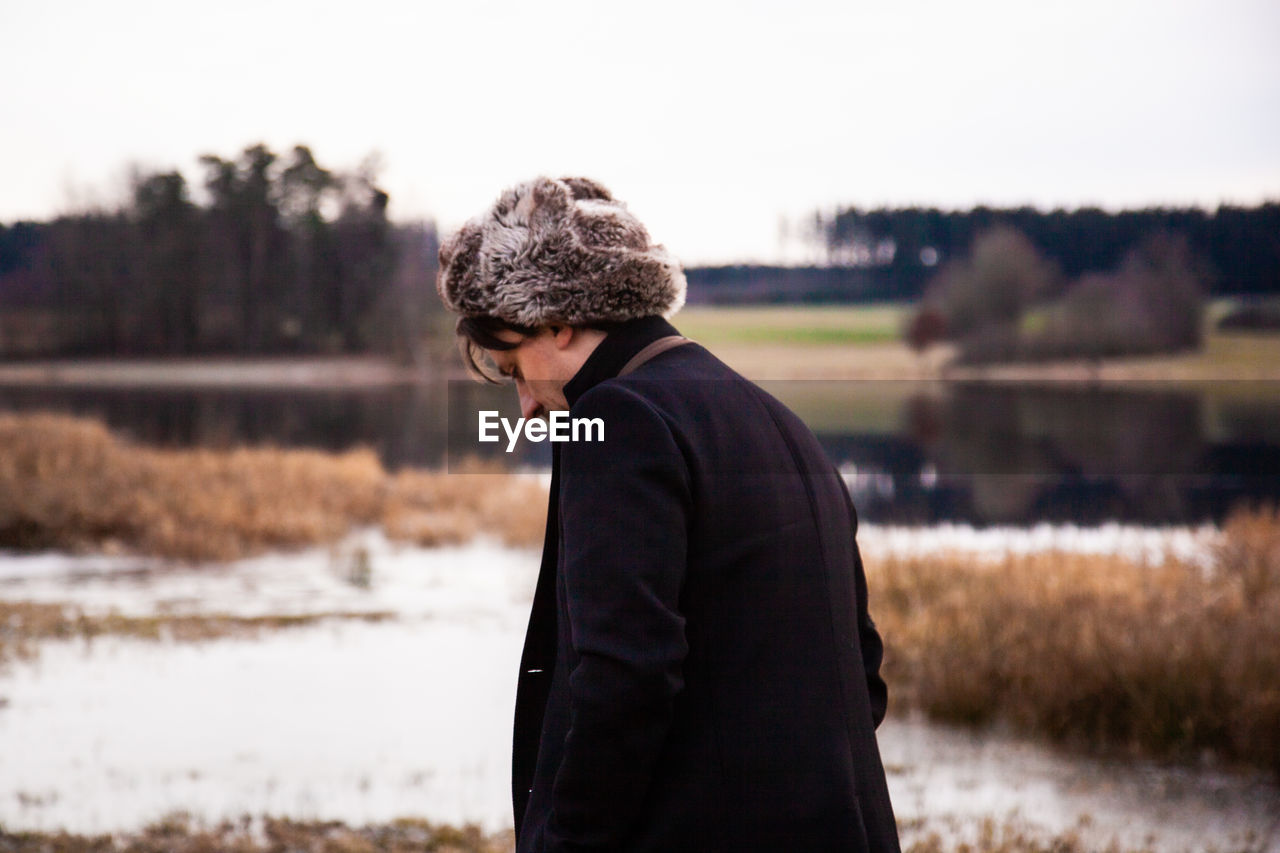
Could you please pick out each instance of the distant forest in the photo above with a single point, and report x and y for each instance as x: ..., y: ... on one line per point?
x: 275, y: 254
x: 892, y: 254
x: 283, y: 256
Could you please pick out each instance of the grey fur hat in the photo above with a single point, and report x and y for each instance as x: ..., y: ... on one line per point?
x: 558, y: 251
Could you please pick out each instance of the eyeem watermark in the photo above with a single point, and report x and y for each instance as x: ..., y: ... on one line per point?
x: 557, y: 427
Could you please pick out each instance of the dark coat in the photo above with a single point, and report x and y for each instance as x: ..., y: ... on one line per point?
x: 700, y: 672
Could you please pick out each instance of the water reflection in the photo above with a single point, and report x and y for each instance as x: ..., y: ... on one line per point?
x: 999, y: 453
x: 986, y: 453
x: 403, y: 423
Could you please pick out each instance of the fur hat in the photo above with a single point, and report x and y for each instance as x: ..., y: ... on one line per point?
x: 561, y: 251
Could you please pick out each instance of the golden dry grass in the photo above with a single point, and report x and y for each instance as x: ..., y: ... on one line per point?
x: 991, y: 836
x: 1166, y: 660
x: 179, y: 834
x: 25, y: 623
x: 69, y: 483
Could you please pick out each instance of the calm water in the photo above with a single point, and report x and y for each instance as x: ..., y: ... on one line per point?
x: 912, y: 451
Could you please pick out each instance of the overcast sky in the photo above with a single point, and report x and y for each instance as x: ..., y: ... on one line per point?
x: 714, y: 121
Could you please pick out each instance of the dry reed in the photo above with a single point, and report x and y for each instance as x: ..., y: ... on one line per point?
x: 179, y: 834
x: 1009, y: 837
x: 69, y: 483
x: 23, y: 624
x: 1170, y: 660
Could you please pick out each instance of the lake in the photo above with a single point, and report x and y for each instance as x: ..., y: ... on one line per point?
x: 912, y: 451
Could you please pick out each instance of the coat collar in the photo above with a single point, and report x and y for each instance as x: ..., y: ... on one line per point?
x: 609, y: 357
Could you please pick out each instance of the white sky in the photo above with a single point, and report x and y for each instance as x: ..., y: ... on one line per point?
x: 712, y: 120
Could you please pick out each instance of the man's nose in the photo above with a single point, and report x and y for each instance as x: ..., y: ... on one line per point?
x: 529, y: 407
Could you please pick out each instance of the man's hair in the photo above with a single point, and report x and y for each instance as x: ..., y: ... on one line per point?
x: 477, y: 334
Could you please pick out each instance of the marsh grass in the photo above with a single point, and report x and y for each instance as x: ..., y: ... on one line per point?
x: 69, y: 483
x: 23, y: 624
x: 1013, y: 836
x: 991, y: 836
x: 1170, y: 660
x: 179, y: 834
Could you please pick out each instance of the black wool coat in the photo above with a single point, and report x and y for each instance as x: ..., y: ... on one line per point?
x: 700, y: 672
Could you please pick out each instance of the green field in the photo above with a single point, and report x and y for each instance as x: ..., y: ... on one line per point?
x: 810, y: 341
x: 864, y: 342
x: 807, y: 324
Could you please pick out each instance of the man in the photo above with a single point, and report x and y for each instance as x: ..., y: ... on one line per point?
x: 700, y: 672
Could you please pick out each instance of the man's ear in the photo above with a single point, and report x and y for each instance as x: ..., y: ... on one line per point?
x: 562, y: 335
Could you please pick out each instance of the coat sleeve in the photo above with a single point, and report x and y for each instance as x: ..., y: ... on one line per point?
x: 868, y: 636
x: 624, y: 507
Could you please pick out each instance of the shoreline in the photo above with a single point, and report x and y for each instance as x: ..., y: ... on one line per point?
x: 757, y: 364
x: 290, y: 371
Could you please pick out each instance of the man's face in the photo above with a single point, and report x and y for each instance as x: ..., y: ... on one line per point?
x: 539, y: 367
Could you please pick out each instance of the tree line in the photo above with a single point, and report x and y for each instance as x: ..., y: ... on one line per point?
x: 281, y: 255
x: 1239, y: 246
